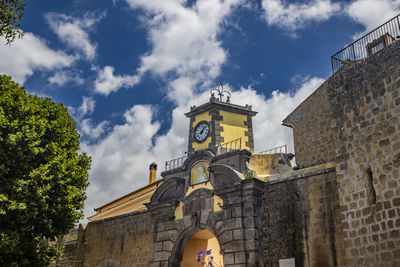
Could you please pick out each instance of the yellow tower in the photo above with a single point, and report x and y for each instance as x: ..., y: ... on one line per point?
x: 219, y: 124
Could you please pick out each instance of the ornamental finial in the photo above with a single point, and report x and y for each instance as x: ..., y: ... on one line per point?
x: 221, y: 93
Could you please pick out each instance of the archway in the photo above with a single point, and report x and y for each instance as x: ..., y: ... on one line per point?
x: 202, y: 241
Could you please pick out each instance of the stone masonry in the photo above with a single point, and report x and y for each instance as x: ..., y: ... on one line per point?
x: 361, y: 117
x: 341, y: 208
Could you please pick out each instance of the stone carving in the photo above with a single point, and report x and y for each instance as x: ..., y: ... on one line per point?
x: 223, y: 175
x: 172, y: 189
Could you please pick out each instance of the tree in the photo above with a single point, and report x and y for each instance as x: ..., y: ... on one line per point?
x: 11, y: 13
x: 42, y: 176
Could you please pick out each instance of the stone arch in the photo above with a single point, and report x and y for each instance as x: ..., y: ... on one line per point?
x: 180, y: 243
x: 109, y: 263
x: 196, y: 156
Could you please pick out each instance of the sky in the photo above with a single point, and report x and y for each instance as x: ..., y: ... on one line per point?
x: 128, y: 70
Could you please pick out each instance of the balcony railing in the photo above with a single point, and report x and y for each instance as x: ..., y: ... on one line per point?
x: 276, y: 150
x: 228, y: 146
x: 361, y: 48
x: 174, y: 163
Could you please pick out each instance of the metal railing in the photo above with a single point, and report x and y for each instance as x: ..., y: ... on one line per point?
x: 359, y: 49
x: 279, y: 149
x: 228, y: 146
x: 174, y: 163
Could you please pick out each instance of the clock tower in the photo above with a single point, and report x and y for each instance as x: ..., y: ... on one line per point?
x: 219, y: 123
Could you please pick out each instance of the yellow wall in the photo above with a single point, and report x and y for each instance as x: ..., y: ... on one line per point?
x: 217, y: 200
x: 197, y: 186
x: 202, y: 240
x: 192, y: 247
x: 201, y: 117
x: 179, y: 211
x: 234, y: 127
x: 265, y: 165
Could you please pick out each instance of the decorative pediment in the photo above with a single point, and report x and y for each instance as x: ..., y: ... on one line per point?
x: 171, y: 189
x: 223, y: 176
x: 197, y: 156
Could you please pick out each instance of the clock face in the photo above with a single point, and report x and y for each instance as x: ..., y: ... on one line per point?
x: 201, y: 131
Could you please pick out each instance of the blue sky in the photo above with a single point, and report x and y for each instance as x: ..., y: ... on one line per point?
x: 129, y: 69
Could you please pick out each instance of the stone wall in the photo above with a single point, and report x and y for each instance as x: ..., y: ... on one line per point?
x: 365, y: 103
x: 126, y: 239
x: 360, y: 111
x: 311, y: 123
x: 301, y: 220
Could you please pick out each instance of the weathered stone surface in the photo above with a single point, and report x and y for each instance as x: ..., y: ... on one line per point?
x: 342, y: 213
x: 354, y: 120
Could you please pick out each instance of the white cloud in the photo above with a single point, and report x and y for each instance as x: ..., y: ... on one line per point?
x: 24, y: 56
x: 121, y: 159
x: 63, y: 77
x: 87, y: 107
x: 294, y: 16
x: 106, y: 82
x: 184, y: 45
x: 372, y: 13
x: 268, y: 131
x: 92, y: 132
x: 74, y: 31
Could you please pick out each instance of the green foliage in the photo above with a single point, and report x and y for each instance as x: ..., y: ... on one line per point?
x: 250, y: 174
x: 11, y: 13
x: 42, y: 176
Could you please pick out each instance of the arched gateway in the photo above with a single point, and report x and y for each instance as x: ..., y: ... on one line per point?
x: 217, y: 214
x: 201, y: 249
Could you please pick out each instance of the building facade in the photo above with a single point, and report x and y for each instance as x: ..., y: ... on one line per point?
x: 341, y: 207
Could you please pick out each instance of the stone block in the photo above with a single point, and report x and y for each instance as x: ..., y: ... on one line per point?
x: 237, y: 212
x: 157, y: 246
x: 240, y: 257
x: 238, y: 234
x: 249, y: 222
x: 225, y: 237
x: 187, y: 221
x: 160, y: 226
x: 160, y: 256
x: 251, y: 234
x: 169, y: 225
x: 168, y: 246
x: 167, y: 235
x: 204, y: 217
x: 251, y: 244
x: 229, y: 258
x: 234, y: 246
x: 230, y: 224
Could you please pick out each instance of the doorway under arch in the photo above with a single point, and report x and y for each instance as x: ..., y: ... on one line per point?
x: 202, y: 241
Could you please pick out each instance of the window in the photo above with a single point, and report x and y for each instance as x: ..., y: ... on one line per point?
x: 199, y: 173
x: 377, y: 48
